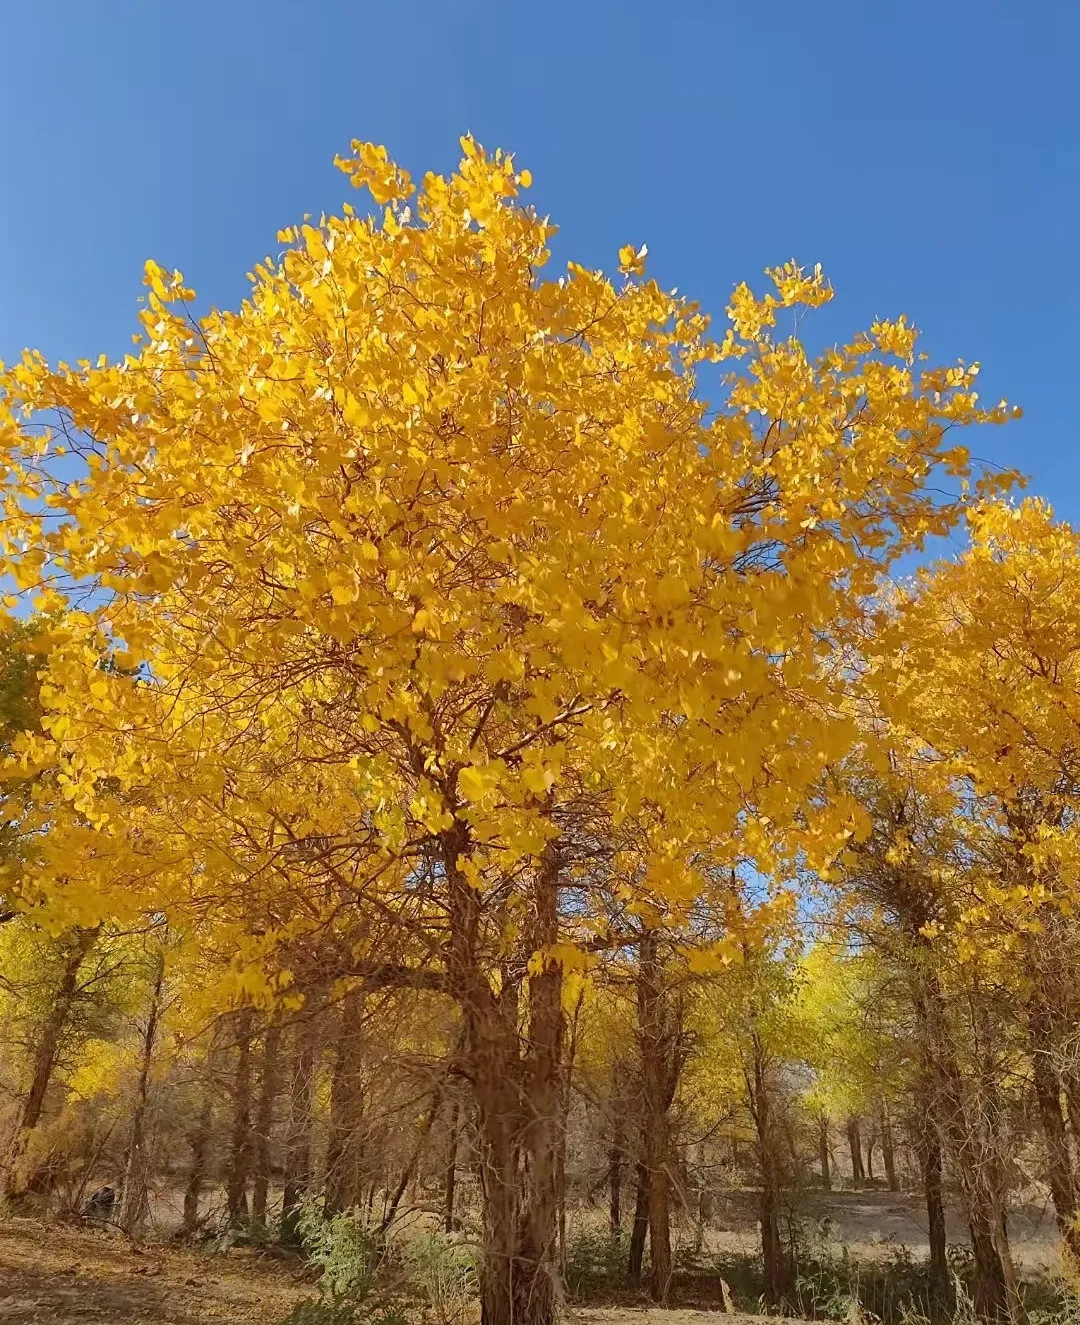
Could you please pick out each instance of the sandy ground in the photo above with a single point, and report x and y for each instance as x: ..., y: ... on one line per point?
x: 870, y: 1218
x: 58, y: 1275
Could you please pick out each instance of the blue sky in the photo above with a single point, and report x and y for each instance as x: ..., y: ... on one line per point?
x: 927, y: 154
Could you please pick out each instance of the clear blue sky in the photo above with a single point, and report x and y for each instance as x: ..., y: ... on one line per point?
x: 927, y: 154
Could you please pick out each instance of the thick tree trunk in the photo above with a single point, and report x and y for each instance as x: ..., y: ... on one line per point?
x: 345, y: 1147
x: 135, y: 1204
x: 823, y: 1152
x: 774, y: 1262
x: 45, y: 1054
x: 940, y: 1284
x: 994, y: 1287
x: 517, y: 1083
x: 640, y: 1230
x: 298, y: 1124
x: 241, y: 1141
x: 858, y: 1173
x: 264, y: 1121
x: 1059, y: 1166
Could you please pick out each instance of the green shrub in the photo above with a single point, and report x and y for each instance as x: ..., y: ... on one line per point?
x: 441, y: 1269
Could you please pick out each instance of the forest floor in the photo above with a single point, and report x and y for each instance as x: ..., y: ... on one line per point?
x: 60, y: 1274
x: 64, y: 1275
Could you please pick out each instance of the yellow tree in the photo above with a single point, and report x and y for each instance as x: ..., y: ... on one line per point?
x: 986, y: 672
x: 460, y: 621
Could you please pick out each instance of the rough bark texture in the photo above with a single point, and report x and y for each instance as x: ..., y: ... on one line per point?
x: 240, y: 1153
x: 640, y: 1229
x: 774, y: 1262
x: 269, y: 1078
x: 517, y: 1078
x: 345, y: 1147
x: 940, y: 1282
x: 298, y: 1125
x: 1048, y: 1091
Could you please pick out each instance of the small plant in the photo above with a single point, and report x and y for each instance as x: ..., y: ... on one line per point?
x: 441, y: 1268
x: 345, y: 1249
x: 349, y: 1255
x: 594, y: 1256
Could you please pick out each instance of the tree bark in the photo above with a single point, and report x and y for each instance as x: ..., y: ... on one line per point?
x: 659, y: 1028
x: 135, y: 1203
x: 264, y: 1121
x: 450, y: 1184
x: 517, y: 1085
x: 772, y: 1252
x: 345, y: 1147
x: 1059, y: 1166
x: 298, y: 1125
x: 823, y: 1152
x: 888, y: 1150
x: 940, y: 1284
x: 966, y: 1125
x: 241, y: 1142
x: 45, y: 1055
x: 858, y: 1173
x: 199, y: 1142
x: 640, y: 1230
x: 614, y: 1177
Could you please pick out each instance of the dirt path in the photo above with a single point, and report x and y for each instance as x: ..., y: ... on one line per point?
x: 65, y: 1276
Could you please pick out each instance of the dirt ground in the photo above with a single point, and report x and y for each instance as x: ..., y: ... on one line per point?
x: 58, y: 1275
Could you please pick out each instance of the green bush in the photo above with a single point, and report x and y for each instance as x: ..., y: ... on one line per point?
x: 595, y: 1256
x: 441, y: 1269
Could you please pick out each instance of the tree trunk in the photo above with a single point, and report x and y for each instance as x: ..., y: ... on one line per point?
x: 994, y: 1288
x: 135, y: 1204
x: 659, y: 1028
x: 298, y: 1125
x: 199, y: 1142
x: 772, y: 1252
x: 264, y: 1121
x: 858, y: 1173
x: 640, y: 1229
x: 823, y: 1152
x: 409, y: 1173
x: 450, y: 1184
x: 614, y: 1177
x: 940, y: 1283
x: 48, y: 1047
x: 241, y: 1147
x: 517, y: 1082
x: 888, y: 1150
x: 1059, y: 1167
x: 345, y: 1147
x: 967, y: 1125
